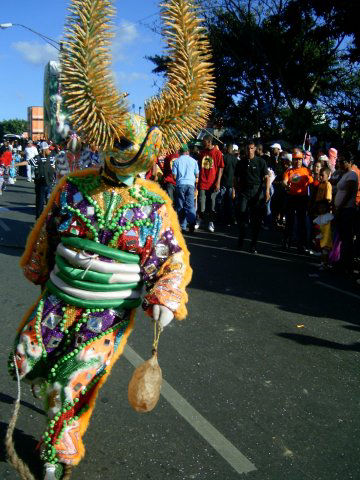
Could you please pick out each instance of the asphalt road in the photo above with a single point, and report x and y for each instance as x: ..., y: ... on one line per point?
x: 263, y: 376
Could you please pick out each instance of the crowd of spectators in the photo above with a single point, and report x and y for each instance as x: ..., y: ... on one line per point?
x: 311, y: 198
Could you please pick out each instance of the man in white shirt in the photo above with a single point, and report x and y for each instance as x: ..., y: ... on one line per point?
x: 345, y: 211
x: 30, y: 153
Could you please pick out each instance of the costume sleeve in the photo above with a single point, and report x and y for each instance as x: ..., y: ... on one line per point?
x: 166, y: 270
x: 39, y: 256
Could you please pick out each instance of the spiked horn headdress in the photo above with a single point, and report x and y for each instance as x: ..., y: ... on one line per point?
x: 98, y: 111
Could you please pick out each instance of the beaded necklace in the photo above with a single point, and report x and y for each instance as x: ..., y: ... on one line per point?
x: 109, y: 218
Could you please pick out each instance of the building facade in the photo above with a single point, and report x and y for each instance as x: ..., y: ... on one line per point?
x: 36, y: 122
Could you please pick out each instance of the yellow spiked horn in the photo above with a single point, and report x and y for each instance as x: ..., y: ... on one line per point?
x: 97, y: 110
x: 184, y: 106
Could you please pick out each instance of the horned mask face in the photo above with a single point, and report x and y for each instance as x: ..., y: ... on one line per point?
x: 131, y: 143
x: 137, y: 150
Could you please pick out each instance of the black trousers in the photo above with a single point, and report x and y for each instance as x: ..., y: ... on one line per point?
x: 250, y: 207
x: 345, y: 225
x: 42, y: 192
x: 296, y: 208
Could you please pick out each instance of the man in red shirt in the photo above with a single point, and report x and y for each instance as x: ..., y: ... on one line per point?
x: 296, y: 181
x: 169, y: 182
x: 211, y: 165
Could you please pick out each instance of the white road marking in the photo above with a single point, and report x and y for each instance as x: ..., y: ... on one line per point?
x: 198, y: 236
x: 224, y: 249
x: 4, y: 226
x: 326, y: 285
x: 223, y: 447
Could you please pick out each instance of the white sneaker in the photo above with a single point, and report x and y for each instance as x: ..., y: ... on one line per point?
x: 197, y: 225
x: 211, y: 227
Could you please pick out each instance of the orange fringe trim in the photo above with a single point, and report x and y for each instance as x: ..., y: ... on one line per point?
x: 85, y: 418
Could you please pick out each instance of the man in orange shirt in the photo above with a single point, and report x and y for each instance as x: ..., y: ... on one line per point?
x: 296, y: 181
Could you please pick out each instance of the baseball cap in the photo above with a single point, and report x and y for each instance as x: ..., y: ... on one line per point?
x: 235, y: 147
x: 276, y: 145
x: 44, y: 146
x: 184, y: 148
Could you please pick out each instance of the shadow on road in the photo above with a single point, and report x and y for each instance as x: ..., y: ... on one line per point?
x: 319, y: 342
x: 25, y: 446
x: 15, y: 234
x: 4, y: 398
x: 22, y: 209
x: 272, y: 278
x: 11, y: 249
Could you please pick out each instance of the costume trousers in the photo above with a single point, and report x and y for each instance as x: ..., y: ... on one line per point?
x: 207, y: 199
x: 185, y: 205
x: 67, y: 353
x: 250, y: 208
x: 296, y: 208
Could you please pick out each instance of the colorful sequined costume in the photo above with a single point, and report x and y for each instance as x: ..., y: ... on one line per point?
x: 67, y: 345
x: 107, y: 241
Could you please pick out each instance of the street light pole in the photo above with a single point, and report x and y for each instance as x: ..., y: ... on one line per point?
x: 46, y: 39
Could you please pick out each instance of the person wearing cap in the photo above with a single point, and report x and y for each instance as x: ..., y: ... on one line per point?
x: 169, y: 182
x: 44, y: 177
x: 252, y: 183
x: 275, y: 153
x: 30, y: 152
x: 185, y: 170
x: 225, y: 198
x: 296, y: 182
x: 211, y: 169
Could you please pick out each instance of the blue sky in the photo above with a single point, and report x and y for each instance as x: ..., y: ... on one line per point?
x: 23, y: 55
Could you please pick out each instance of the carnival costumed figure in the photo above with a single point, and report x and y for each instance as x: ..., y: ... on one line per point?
x: 106, y: 235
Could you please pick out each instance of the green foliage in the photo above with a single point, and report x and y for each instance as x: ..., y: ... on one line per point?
x: 15, y: 126
x: 280, y: 64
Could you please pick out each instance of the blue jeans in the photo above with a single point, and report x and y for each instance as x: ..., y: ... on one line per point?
x: 185, y: 205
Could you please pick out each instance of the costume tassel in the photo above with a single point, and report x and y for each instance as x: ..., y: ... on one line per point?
x: 13, y: 457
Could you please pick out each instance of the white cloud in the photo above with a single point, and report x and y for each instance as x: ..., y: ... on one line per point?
x: 125, y: 34
x: 131, y: 76
x: 36, y: 53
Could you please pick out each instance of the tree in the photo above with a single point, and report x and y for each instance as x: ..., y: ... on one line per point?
x: 15, y: 126
x: 278, y: 63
